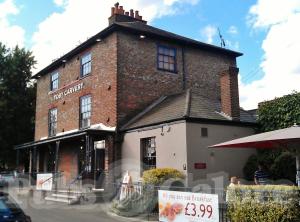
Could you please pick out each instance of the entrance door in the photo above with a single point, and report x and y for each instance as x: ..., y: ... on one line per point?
x: 99, y: 166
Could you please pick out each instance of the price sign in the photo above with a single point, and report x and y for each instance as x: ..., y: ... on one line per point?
x: 185, y: 207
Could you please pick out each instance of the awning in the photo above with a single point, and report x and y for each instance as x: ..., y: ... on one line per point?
x: 66, y: 136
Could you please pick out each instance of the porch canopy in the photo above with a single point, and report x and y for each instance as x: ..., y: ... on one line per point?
x: 283, y: 139
x: 86, y: 137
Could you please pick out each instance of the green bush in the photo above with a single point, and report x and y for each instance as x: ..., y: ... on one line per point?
x: 159, y: 176
x: 284, y: 167
x: 250, y: 167
x: 263, y: 203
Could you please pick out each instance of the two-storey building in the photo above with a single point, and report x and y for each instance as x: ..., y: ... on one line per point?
x: 122, y: 92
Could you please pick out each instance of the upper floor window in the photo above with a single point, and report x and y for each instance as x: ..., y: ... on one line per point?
x: 86, y: 64
x: 52, y: 121
x: 85, y: 111
x: 54, y: 81
x: 148, y: 146
x: 166, y: 58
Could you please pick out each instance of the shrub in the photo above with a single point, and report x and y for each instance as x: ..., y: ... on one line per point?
x: 284, y: 167
x: 159, y: 176
x: 263, y: 203
x: 250, y: 167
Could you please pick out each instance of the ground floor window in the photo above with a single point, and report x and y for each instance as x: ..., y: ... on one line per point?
x: 148, y: 154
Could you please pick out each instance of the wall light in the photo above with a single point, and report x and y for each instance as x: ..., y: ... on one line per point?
x: 142, y: 36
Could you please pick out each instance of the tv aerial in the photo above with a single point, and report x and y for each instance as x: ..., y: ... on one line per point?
x: 223, y: 45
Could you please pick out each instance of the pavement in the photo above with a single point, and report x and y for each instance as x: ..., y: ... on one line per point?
x: 41, y: 211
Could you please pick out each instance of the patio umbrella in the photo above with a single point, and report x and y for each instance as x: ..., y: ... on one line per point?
x: 283, y: 138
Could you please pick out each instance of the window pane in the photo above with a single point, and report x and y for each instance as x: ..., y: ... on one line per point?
x: 85, y: 110
x: 167, y: 58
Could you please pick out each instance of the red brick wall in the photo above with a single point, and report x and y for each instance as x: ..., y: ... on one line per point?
x: 101, y: 84
x: 140, y: 82
x: 125, y: 79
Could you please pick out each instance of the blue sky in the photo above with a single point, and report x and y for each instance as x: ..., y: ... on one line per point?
x: 264, y: 30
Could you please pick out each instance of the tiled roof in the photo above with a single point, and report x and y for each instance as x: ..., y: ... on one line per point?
x: 189, y: 104
x: 138, y: 28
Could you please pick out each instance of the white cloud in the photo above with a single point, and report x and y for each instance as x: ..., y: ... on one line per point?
x: 61, y: 32
x: 11, y: 35
x: 60, y: 2
x: 281, y: 46
x: 208, y: 33
x: 233, y: 30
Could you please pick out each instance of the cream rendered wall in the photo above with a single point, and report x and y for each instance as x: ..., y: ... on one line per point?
x: 170, y: 148
x: 229, y: 160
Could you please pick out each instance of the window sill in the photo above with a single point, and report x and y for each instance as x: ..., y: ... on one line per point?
x: 83, y: 77
x: 168, y: 71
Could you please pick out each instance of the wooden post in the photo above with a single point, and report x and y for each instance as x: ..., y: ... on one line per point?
x: 298, y: 167
x: 56, y: 163
x: 18, y: 159
x: 30, y: 166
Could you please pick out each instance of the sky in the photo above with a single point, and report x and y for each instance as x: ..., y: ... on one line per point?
x: 265, y: 31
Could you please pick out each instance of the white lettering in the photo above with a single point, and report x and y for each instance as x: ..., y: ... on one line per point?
x: 68, y: 91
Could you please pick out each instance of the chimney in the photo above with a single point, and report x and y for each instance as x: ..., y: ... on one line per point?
x: 118, y: 14
x: 230, y: 93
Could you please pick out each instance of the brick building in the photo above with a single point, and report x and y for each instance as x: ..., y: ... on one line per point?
x: 127, y: 78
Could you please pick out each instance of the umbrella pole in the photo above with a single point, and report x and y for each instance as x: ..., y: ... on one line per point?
x: 298, y: 167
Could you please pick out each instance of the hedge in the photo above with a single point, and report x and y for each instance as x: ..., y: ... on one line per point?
x: 269, y: 203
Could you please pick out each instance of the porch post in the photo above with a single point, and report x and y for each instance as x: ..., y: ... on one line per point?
x: 30, y: 166
x: 87, y: 154
x: 56, y: 163
x: 18, y: 158
x: 298, y: 167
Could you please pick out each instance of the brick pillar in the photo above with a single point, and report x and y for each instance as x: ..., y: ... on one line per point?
x: 230, y: 93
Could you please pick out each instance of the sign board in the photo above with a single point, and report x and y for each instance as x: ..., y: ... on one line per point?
x: 44, y: 181
x: 68, y: 91
x: 186, y: 207
x: 200, y: 166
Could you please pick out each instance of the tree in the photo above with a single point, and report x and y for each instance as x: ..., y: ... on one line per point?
x: 272, y: 115
x: 17, y: 101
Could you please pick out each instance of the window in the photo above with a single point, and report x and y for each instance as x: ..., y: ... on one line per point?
x: 148, y: 153
x: 54, y: 81
x: 86, y: 64
x: 166, y: 58
x: 85, y: 111
x: 204, y: 132
x: 52, y: 119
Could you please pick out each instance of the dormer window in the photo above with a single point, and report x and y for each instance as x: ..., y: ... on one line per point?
x: 54, y: 81
x: 86, y: 64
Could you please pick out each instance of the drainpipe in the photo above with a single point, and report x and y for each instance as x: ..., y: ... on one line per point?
x: 183, y: 68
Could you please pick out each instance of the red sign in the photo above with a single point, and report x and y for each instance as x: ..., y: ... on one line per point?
x: 200, y: 166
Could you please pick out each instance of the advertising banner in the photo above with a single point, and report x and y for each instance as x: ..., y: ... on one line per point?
x: 188, y: 207
x: 44, y: 181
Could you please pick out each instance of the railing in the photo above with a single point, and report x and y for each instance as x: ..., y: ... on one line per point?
x: 152, y: 213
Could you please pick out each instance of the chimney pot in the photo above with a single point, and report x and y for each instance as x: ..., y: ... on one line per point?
x: 127, y: 13
x: 136, y: 14
x: 117, y: 5
x: 131, y: 13
x: 122, y: 10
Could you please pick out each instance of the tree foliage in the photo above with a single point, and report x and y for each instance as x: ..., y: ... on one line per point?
x: 276, y: 114
x: 17, y: 101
